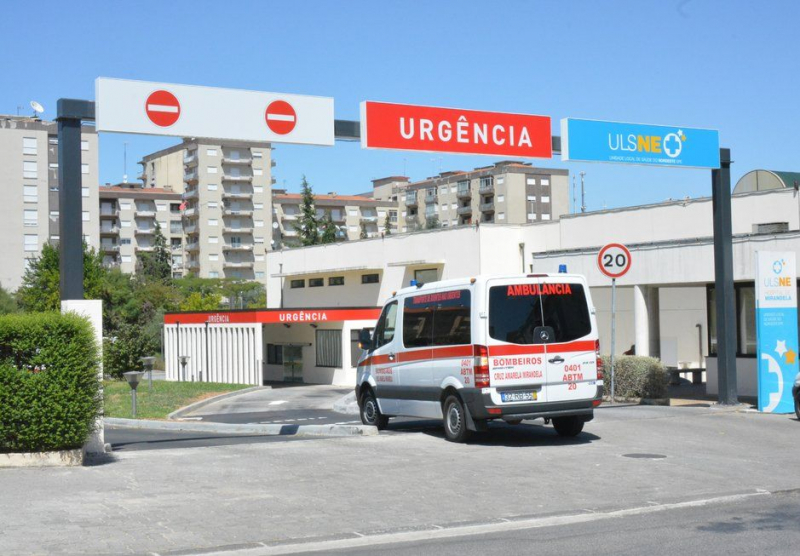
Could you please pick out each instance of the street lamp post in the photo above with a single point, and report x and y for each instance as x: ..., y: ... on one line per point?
x: 184, y: 359
x: 133, y: 378
x: 148, y: 367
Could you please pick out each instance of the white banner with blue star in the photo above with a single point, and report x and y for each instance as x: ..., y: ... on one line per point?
x: 776, y: 329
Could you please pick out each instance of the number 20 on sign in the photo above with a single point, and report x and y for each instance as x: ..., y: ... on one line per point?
x: 614, y: 260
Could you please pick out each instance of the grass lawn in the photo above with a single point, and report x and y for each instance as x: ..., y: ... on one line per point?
x: 165, y: 398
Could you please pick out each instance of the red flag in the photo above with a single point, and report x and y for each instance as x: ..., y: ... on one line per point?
x: 183, y: 206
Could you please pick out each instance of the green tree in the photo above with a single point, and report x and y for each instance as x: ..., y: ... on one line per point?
x: 328, y: 230
x: 432, y: 222
x: 201, y: 302
x: 40, y: 284
x: 309, y: 223
x: 387, y: 224
x: 7, y: 302
x: 157, y: 265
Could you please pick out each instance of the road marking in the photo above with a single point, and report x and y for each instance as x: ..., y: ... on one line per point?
x: 277, y: 402
x: 358, y: 540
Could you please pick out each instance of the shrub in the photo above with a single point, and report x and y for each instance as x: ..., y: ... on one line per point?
x: 123, y: 352
x: 636, y: 377
x: 49, y: 391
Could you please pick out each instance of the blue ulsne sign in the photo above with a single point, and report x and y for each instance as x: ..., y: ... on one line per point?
x: 776, y: 330
x: 652, y: 145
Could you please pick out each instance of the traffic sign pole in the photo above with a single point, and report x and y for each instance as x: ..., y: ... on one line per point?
x: 613, y: 331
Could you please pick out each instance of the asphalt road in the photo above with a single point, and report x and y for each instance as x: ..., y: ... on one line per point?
x: 128, y: 440
x: 756, y: 525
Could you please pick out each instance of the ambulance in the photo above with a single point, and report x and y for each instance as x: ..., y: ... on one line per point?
x: 473, y: 350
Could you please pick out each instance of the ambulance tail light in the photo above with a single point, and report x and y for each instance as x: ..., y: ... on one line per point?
x: 480, y: 366
x: 600, y: 366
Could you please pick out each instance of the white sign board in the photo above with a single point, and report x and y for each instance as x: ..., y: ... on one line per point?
x: 126, y: 106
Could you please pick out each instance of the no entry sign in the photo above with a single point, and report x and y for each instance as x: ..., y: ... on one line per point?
x: 428, y: 128
x: 163, y: 108
x: 614, y: 260
x: 127, y: 106
x: 281, y: 117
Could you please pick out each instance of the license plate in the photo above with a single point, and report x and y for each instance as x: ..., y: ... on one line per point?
x: 518, y: 396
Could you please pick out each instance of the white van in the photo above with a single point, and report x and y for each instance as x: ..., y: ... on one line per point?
x: 472, y: 350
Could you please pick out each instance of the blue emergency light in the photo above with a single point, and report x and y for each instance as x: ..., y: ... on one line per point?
x: 562, y: 269
x: 413, y: 283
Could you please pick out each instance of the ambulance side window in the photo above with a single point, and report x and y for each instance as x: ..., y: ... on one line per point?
x: 418, y: 321
x: 384, y: 331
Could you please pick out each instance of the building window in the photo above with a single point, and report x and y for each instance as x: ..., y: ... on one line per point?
x: 211, y: 152
x: 295, y: 284
x: 213, y: 222
x: 84, y: 192
x: 352, y: 212
x: 258, y: 223
x: 259, y: 275
x: 500, y: 179
x: 745, y: 323
x: 545, y: 181
x: 260, y: 258
x: 29, y: 145
x: 85, y: 216
x: 30, y: 193
x: 258, y: 206
x: 545, y: 217
x: 125, y: 241
x: 124, y: 205
x: 501, y: 215
x: 175, y: 227
x: 30, y: 217
x: 84, y: 169
x: 258, y: 172
x: 329, y: 348
x: 126, y: 258
x: 258, y: 189
x: 84, y: 145
x: 336, y: 281
x: 211, y: 170
x: 161, y: 207
x: 487, y: 182
x: 257, y: 154
x: 369, y: 279
x: 274, y: 354
x: 315, y: 282
x: 545, y: 198
x: 213, y: 239
x: 213, y: 274
x: 258, y: 240
x: 212, y: 186
x: 501, y: 198
x: 426, y: 275
x: 530, y: 181
x: 213, y: 257
x: 30, y: 170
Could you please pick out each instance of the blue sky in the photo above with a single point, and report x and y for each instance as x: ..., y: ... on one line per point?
x: 689, y: 63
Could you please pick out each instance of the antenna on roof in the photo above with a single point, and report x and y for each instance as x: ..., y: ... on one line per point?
x: 37, y: 108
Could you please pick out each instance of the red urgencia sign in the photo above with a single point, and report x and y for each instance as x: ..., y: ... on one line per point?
x: 428, y: 128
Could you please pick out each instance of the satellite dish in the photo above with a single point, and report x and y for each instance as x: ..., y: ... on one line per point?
x: 37, y: 108
x: 275, y: 225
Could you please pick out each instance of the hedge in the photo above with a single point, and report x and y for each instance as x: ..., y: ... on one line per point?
x: 636, y: 377
x: 49, y: 390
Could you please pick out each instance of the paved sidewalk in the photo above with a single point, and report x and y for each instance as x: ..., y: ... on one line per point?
x: 191, y: 499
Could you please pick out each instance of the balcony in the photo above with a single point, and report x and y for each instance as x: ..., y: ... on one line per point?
x: 109, y: 213
x: 289, y: 217
x: 190, y: 177
x: 145, y: 231
x: 193, y: 246
x: 411, y: 200
x: 146, y: 248
x: 464, y: 210
x: 486, y: 187
x: 236, y: 179
x: 190, y: 159
x: 290, y: 233
x: 195, y: 265
x: 109, y: 247
x: 191, y: 213
x: 191, y: 229
x: 228, y: 229
x: 244, y: 160
x: 145, y: 213
x: 112, y: 231
x: 431, y: 198
x: 465, y: 193
x: 228, y: 211
x: 487, y: 206
x: 237, y: 194
x: 238, y: 264
x: 243, y: 247
x: 369, y: 219
x: 191, y: 194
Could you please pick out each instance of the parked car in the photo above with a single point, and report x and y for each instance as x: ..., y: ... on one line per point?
x: 472, y: 350
x: 796, y: 395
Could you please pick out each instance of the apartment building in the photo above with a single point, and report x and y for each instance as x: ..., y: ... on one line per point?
x: 129, y: 214
x: 507, y: 192
x: 29, y: 184
x: 355, y: 216
x: 226, y: 189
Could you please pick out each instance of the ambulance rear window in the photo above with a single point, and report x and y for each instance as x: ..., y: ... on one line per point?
x: 516, y: 310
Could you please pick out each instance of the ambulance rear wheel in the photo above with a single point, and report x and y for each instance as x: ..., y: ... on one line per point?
x: 455, y: 420
x: 568, y: 426
x: 370, y: 412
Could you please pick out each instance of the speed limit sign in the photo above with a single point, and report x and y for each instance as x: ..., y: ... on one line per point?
x: 614, y: 260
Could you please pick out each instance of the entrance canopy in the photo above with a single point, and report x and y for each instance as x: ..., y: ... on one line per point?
x: 271, y: 316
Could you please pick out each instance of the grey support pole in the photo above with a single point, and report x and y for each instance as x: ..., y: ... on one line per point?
x: 613, y: 331
x: 723, y: 284
x: 70, y: 115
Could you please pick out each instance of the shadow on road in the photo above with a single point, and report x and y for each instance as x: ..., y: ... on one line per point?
x: 499, y: 434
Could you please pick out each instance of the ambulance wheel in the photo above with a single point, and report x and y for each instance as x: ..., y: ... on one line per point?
x: 455, y: 420
x: 370, y: 413
x: 568, y: 426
